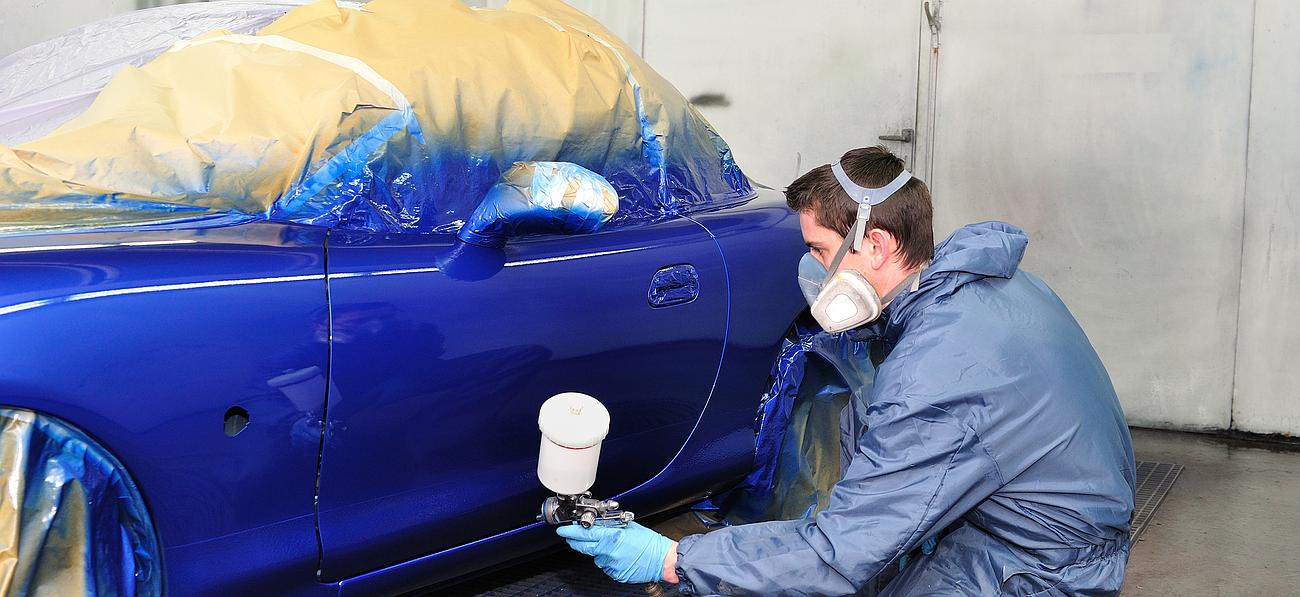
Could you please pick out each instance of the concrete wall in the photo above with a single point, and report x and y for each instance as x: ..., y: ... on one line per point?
x: 1149, y: 149
x: 1267, y: 393
x: 791, y: 89
x: 1114, y: 133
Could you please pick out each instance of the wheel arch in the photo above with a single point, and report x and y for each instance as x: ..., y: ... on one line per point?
x: 72, y: 502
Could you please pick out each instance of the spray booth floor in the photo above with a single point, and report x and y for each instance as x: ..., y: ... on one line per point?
x: 1227, y: 523
x: 1230, y: 526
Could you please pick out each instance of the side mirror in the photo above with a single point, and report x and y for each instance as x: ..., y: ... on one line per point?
x: 541, y: 198
x: 469, y: 262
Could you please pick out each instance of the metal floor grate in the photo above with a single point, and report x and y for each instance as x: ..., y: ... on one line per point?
x: 562, y: 574
x: 1154, y: 479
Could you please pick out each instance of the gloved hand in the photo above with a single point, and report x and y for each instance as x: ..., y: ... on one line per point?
x: 631, y: 554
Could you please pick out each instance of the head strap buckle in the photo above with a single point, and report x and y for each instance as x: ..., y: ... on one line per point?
x: 866, y: 198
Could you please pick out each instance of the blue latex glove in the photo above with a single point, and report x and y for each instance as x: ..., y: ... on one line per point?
x: 631, y: 554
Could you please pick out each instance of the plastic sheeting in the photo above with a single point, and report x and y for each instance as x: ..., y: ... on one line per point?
x: 71, y: 520
x: 540, y: 197
x: 800, y: 428
x: 397, y: 117
x: 39, y: 94
x: 674, y: 285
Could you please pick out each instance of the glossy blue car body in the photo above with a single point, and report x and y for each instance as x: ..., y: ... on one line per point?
x: 392, y: 381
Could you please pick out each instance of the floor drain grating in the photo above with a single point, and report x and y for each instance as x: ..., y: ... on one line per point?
x: 1154, y: 479
x: 562, y: 574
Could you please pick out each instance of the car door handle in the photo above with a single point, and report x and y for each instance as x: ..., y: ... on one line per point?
x: 674, y: 285
x: 905, y: 136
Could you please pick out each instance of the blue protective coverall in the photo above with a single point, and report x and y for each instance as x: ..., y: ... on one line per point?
x: 991, y: 422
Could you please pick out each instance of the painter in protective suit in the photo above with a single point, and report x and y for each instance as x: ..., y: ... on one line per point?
x: 992, y: 418
x: 991, y: 426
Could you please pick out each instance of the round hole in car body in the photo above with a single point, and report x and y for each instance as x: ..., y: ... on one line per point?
x: 236, y: 420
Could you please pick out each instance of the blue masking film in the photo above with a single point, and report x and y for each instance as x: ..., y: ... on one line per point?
x: 801, y: 427
x: 82, y: 526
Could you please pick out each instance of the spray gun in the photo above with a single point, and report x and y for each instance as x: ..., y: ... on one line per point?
x: 573, y: 426
x: 563, y: 509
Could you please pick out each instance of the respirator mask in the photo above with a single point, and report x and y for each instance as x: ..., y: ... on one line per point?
x: 843, y: 300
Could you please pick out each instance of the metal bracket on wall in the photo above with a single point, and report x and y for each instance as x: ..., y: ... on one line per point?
x: 928, y: 98
x: 904, y: 136
x: 936, y: 21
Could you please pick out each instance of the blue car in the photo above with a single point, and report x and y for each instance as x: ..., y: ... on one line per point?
x: 336, y: 391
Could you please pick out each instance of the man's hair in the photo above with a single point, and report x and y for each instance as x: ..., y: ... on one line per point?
x: 907, y: 214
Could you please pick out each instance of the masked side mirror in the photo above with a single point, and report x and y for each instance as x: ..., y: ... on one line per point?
x: 541, y: 198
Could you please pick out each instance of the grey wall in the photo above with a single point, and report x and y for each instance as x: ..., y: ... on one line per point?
x: 1115, y: 134
x: 1267, y: 393
x: 799, y: 86
x: 1149, y: 149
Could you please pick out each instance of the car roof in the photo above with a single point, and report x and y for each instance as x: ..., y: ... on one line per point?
x: 393, y: 117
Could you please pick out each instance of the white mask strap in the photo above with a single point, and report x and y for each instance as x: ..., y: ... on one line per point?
x: 911, y: 282
x: 844, y: 250
x: 866, y: 198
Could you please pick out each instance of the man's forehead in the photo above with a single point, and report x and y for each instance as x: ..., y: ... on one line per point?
x: 814, y: 232
x: 808, y: 221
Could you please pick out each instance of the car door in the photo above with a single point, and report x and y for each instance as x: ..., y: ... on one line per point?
x: 442, y: 354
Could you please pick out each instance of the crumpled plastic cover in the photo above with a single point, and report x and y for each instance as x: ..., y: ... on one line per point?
x: 799, y: 455
x: 397, y: 116
x: 37, y: 93
x: 541, y: 197
x: 71, y: 520
x: 674, y: 285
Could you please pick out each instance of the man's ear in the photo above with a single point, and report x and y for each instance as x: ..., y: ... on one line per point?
x: 883, y: 248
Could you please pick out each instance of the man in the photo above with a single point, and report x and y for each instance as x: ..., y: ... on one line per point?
x: 991, y: 426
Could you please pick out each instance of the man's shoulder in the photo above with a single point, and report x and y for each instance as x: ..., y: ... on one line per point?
x: 985, y: 304
x: 951, y: 342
